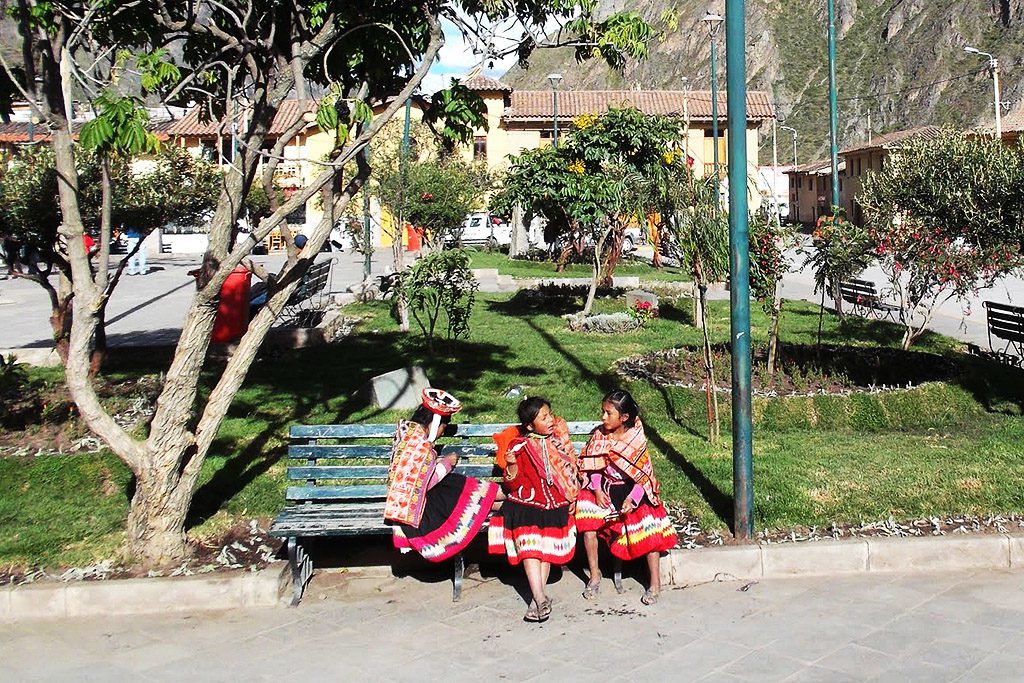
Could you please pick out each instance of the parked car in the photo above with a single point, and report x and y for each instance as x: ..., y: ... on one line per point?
x: 483, y: 229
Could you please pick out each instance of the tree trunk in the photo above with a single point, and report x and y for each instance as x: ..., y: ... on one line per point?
x: 709, y: 373
x: 399, y: 265
x: 612, y: 260
x: 156, y: 517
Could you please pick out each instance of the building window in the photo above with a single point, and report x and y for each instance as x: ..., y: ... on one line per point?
x: 480, y: 148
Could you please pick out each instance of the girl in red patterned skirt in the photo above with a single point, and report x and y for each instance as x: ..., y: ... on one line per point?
x: 541, y: 479
x: 620, y: 502
x: 433, y: 510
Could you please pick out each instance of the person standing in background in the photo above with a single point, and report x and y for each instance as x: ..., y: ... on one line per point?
x: 137, y: 264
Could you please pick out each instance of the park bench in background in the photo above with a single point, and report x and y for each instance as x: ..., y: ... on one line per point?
x: 308, y: 296
x: 863, y: 295
x: 1006, y: 323
x: 337, y: 489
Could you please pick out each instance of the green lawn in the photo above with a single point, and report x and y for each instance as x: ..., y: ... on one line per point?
x: 941, y: 448
x: 546, y: 269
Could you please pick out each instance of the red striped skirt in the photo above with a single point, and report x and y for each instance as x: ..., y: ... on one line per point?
x: 454, y: 513
x: 646, y: 529
x: 526, y: 532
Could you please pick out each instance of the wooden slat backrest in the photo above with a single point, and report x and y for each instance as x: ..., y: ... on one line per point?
x: 858, y: 288
x: 313, y: 281
x: 358, y: 471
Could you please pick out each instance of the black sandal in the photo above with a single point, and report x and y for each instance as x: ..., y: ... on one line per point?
x: 532, y: 613
x: 544, y: 611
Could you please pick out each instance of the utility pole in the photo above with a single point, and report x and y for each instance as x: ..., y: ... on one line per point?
x: 714, y: 24
x: 833, y: 102
x: 993, y: 65
x: 739, y: 268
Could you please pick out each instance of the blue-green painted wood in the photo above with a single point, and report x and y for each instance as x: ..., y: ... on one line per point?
x: 335, y: 492
x: 316, y: 452
x: 367, y: 431
x: 377, y: 472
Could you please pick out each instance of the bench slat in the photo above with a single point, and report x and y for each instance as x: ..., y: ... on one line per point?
x: 366, y: 431
x: 335, y: 492
x: 316, y: 451
x: 377, y: 471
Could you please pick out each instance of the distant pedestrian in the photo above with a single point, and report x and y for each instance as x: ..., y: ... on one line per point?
x: 12, y: 255
x: 137, y: 264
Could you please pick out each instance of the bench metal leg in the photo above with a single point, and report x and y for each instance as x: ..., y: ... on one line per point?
x: 460, y: 571
x: 302, y: 569
x: 617, y: 575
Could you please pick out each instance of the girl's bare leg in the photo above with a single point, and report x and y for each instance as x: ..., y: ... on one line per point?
x: 654, y: 568
x: 535, y: 577
x: 545, y: 571
x: 590, y: 544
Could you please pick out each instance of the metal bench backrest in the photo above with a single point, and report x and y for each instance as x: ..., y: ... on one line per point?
x: 852, y: 289
x: 339, y: 472
x: 1006, y: 322
x: 313, y: 281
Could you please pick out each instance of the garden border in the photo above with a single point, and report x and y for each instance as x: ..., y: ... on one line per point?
x: 113, y: 597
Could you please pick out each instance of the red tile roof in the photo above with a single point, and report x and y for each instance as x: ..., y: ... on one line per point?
x: 536, y: 105
x: 17, y: 132
x: 287, y: 114
x: 480, y: 82
x: 819, y: 167
x: 889, y: 140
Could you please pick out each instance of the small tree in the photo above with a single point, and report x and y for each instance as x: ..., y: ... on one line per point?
x: 839, y: 251
x: 768, y: 264
x: 945, y: 218
x: 440, y: 289
x: 701, y: 232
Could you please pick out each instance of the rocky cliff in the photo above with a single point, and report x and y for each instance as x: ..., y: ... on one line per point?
x: 901, y: 63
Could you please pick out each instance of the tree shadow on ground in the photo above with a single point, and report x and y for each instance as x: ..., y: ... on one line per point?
x: 672, y: 311
x: 325, y: 385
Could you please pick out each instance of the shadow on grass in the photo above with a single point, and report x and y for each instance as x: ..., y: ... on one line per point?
x: 717, y: 499
x: 683, y: 315
x: 303, y: 387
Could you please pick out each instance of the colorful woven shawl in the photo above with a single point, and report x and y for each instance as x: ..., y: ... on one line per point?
x: 561, y: 458
x: 412, y: 461
x: 629, y: 454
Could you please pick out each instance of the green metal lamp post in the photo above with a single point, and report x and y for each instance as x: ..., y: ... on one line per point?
x: 714, y: 23
x: 833, y: 101
x: 554, y: 79
x: 739, y: 268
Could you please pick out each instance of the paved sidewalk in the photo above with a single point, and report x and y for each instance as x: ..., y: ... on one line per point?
x: 372, y: 626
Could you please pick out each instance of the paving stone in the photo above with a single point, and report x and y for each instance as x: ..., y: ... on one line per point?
x: 820, y: 557
x: 763, y: 665
x: 997, y: 668
x: 399, y: 389
x: 951, y: 655
x: 857, y: 660
x: 1016, y: 551
x: 814, y: 674
x: 913, y: 672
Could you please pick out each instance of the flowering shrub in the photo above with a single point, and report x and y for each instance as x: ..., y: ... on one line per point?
x: 768, y: 262
x: 643, y: 312
x: 945, y: 218
x: 840, y: 251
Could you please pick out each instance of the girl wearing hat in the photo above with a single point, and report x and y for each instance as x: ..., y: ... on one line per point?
x: 620, y: 502
x: 536, y: 525
x: 434, y: 511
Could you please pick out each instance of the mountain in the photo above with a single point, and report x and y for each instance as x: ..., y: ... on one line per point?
x: 900, y: 63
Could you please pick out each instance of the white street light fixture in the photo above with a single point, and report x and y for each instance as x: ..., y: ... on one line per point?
x: 993, y: 64
x: 554, y: 79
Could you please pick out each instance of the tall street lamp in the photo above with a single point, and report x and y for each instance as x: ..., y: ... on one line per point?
x: 993, y: 64
x: 714, y: 23
x: 833, y: 101
x: 554, y: 79
x: 739, y: 270
x: 793, y: 131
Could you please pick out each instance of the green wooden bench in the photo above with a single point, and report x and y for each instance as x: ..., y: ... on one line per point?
x: 338, y: 489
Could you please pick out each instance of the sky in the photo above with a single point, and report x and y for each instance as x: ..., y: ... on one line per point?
x: 456, y: 58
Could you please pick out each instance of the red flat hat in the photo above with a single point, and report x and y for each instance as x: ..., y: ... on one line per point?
x: 441, y: 402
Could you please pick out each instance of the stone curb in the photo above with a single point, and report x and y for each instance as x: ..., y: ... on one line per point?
x: 264, y: 588
x: 854, y: 556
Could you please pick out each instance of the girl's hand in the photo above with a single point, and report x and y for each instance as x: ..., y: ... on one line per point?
x: 602, y: 498
x: 452, y: 461
x: 628, y: 506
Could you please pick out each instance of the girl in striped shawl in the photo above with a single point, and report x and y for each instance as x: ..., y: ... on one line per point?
x: 619, y: 502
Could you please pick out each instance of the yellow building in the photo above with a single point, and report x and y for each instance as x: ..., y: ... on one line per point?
x: 516, y: 120
x: 524, y: 119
